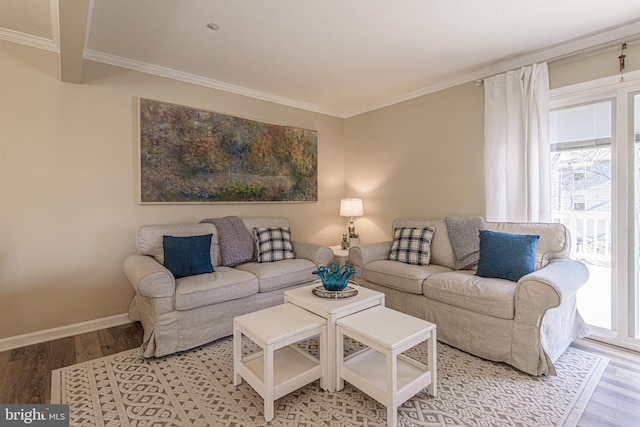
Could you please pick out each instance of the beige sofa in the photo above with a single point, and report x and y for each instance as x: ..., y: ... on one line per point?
x: 527, y: 324
x: 179, y: 314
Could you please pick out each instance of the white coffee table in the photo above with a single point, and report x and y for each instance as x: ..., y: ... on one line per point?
x: 382, y: 370
x: 332, y: 310
x: 281, y: 367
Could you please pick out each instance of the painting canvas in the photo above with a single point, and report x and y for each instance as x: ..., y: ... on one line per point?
x: 189, y: 155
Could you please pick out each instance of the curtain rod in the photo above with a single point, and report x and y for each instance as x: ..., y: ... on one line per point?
x: 568, y: 57
x: 590, y: 51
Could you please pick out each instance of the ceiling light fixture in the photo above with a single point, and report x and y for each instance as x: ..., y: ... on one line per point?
x: 213, y: 27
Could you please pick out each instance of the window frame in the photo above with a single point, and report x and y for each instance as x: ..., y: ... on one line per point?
x: 624, y: 267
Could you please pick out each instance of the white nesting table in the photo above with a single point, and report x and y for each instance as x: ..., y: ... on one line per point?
x: 381, y: 370
x: 332, y: 310
x: 281, y: 367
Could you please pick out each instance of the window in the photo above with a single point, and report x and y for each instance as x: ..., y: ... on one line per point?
x: 578, y: 202
x: 581, y: 137
x: 595, y: 157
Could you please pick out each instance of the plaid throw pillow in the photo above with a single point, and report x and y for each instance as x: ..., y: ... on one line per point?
x: 412, y: 245
x: 273, y: 243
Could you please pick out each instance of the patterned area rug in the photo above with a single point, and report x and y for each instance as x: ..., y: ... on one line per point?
x: 195, y: 388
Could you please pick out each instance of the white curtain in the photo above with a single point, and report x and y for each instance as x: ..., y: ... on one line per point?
x: 516, y: 151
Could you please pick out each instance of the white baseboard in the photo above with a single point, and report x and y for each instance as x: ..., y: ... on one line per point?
x: 62, y: 332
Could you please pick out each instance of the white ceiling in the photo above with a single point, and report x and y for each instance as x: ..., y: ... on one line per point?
x: 340, y: 57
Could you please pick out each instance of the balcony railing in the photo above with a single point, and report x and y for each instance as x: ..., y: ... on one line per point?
x: 590, y: 235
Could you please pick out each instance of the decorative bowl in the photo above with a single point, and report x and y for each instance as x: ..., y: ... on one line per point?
x: 335, y: 278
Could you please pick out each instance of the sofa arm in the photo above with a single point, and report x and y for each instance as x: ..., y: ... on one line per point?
x: 364, y: 254
x: 548, y: 287
x: 148, y: 277
x: 318, y: 254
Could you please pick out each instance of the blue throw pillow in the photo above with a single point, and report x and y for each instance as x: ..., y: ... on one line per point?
x: 187, y: 256
x: 505, y: 255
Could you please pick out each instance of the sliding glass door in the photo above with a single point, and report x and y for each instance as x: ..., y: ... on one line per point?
x: 581, y: 138
x: 634, y: 288
x: 595, y: 156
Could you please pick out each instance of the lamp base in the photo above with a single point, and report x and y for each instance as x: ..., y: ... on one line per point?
x: 352, y: 228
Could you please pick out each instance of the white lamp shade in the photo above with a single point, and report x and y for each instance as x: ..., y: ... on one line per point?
x: 351, y: 207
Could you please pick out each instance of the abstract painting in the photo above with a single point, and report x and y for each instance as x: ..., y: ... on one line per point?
x: 188, y: 155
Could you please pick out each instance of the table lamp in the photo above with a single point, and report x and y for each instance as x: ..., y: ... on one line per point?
x: 351, y: 207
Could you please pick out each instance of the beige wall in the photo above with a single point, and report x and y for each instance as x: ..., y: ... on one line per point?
x: 423, y: 158
x: 68, y: 179
x: 418, y: 159
x: 68, y: 174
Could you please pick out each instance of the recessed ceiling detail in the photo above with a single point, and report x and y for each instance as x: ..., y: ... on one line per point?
x: 30, y: 22
x: 331, y: 56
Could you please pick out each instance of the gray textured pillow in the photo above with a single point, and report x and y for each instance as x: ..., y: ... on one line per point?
x: 236, y: 242
x: 464, y: 234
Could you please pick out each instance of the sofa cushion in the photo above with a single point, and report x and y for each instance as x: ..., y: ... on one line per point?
x: 441, y: 250
x: 265, y: 221
x: 276, y: 275
x: 224, y: 284
x: 412, y: 245
x: 506, y: 255
x: 273, y: 243
x: 398, y: 275
x: 463, y: 289
x: 187, y: 256
x: 149, y: 239
x: 554, y: 242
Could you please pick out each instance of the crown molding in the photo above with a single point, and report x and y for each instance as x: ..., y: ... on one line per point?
x: 552, y: 52
x: 51, y: 44
x: 30, y: 40
x: 567, y: 48
x: 169, y: 73
x: 546, y: 54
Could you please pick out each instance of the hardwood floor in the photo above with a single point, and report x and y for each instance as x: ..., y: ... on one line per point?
x: 25, y: 373
x: 616, y: 400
